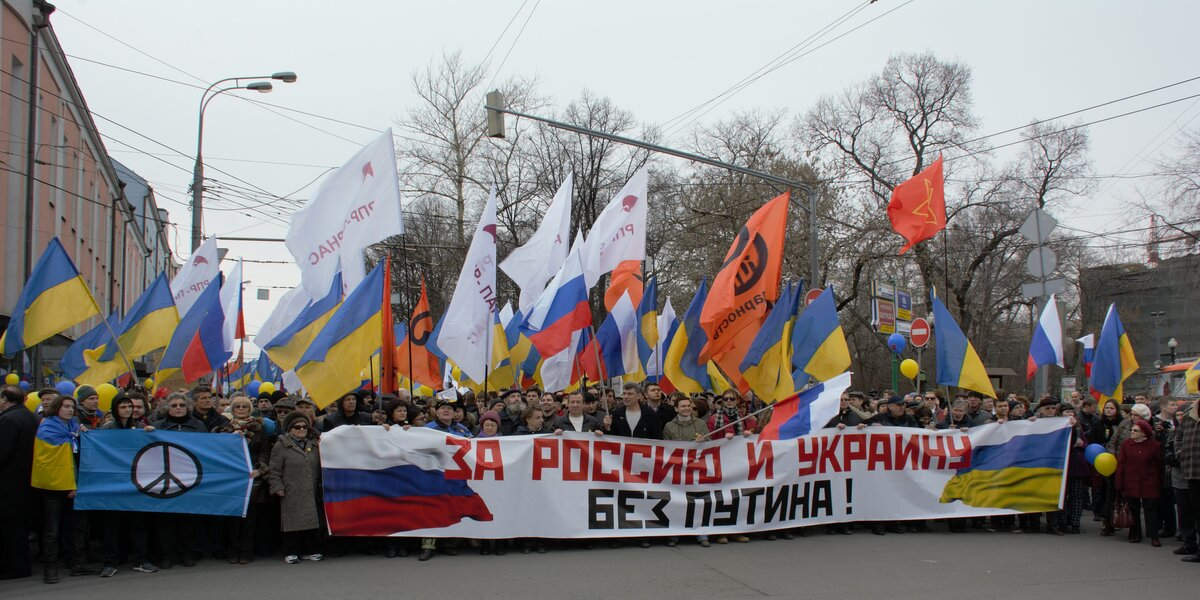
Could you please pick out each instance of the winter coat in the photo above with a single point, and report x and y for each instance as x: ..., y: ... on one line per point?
x: 1187, y: 443
x: 887, y: 420
x: 750, y: 425
x: 212, y: 420
x: 297, y: 473
x: 1139, y: 469
x: 18, y: 427
x: 590, y: 423
x: 648, y: 425
x: 1119, y: 435
x: 681, y: 431
x: 848, y: 417
x: 340, y: 418
x: 188, y: 423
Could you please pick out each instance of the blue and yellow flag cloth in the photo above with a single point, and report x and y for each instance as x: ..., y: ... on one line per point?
x: 331, y: 364
x: 1192, y: 377
x: 54, y: 454
x: 81, y: 361
x: 1019, y: 472
x: 286, y: 348
x: 1114, y: 360
x: 767, y: 366
x: 819, y: 345
x: 53, y: 300
x: 149, y: 323
x: 957, y: 362
x: 682, y: 363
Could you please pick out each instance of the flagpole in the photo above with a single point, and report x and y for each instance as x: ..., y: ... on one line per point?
x: 408, y: 337
x: 108, y: 326
x: 487, y: 353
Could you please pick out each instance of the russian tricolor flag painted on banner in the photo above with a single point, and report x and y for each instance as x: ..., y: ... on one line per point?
x: 807, y: 411
x: 372, y: 490
x: 561, y: 309
x: 1045, y: 347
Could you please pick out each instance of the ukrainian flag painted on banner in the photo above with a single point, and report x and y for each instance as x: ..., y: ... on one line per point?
x: 79, y: 361
x: 53, y: 300
x: 1114, y: 359
x: 1024, y: 473
x: 767, y: 366
x: 149, y: 323
x: 682, y: 362
x: 957, y: 362
x: 289, y: 345
x: 1192, y: 375
x: 54, y: 454
x: 331, y: 365
x: 818, y: 344
x: 647, y: 329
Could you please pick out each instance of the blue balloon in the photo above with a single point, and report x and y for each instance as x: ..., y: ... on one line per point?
x: 1092, y: 451
x: 65, y: 387
x: 252, y: 388
x: 896, y: 343
x: 24, y: 385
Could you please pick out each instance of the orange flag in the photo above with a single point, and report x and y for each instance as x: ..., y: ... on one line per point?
x: 748, y: 281
x: 730, y: 361
x: 626, y: 278
x: 413, y: 358
x: 918, y: 206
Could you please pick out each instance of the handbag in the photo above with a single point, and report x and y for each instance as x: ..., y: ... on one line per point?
x: 1122, y: 518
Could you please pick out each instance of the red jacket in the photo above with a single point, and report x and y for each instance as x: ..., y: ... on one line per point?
x: 1139, y: 469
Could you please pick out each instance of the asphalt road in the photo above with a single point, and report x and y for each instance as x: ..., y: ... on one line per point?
x: 925, y: 566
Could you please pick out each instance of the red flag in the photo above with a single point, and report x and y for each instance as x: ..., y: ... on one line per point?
x: 918, y: 207
x: 626, y: 278
x: 387, y: 355
x: 748, y: 281
x: 412, y: 357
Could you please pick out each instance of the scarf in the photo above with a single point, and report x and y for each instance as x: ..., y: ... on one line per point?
x: 91, y: 418
x: 724, y: 416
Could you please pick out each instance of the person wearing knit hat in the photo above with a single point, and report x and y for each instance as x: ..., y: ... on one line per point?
x: 1139, y: 478
x: 489, y: 424
x: 88, y: 413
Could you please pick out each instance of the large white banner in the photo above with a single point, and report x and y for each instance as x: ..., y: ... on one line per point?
x: 422, y: 482
x: 356, y: 206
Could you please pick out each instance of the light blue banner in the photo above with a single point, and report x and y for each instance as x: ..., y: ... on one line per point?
x: 162, y: 471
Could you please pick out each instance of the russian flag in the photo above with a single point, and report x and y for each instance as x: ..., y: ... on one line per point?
x: 617, y: 337
x: 807, y: 411
x: 198, y: 347
x: 374, y: 491
x: 1089, y: 352
x: 562, y: 307
x: 1045, y: 347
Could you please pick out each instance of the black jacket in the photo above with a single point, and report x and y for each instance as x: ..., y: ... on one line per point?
x: 188, y: 423
x: 886, y: 419
x: 340, y: 418
x: 847, y: 417
x: 212, y: 421
x: 18, y: 427
x: 648, y: 426
x: 590, y: 423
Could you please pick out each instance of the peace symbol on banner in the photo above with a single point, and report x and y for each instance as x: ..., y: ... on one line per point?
x: 165, y: 470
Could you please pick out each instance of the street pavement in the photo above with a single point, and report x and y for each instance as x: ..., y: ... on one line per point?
x: 926, y: 566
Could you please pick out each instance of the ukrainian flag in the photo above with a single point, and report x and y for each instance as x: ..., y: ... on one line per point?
x: 1114, y: 359
x: 818, y: 344
x: 1192, y: 375
x: 647, y: 329
x: 149, y: 323
x: 286, y: 348
x: 53, y: 300
x: 80, y: 363
x: 717, y: 382
x: 1024, y: 473
x: 957, y: 362
x: 331, y: 365
x: 767, y: 366
x: 682, y: 362
x: 54, y: 454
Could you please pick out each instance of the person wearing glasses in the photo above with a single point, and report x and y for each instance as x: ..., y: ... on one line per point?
x: 295, y: 477
x: 177, y: 532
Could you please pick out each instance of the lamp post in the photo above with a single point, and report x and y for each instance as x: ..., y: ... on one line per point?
x: 1172, y: 344
x: 198, y: 171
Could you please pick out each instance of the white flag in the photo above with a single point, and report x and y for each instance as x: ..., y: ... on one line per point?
x: 195, y: 275
x: 231, y: 305
x: 666, y: 319
x: 619, y: 233
x: 286, y: 311
x: 506, y: 315
x: 556, y: 370
x: 356, y: 206
x: 534, y: 263
x: 467, y: 321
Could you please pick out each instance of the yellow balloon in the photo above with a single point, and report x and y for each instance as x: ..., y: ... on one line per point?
x: 1105, y: 463
x: 148, y: 383
x: 266, y: 388
x: 12, y: 379
x: 106, y: 392
x: 909, y: 368
x: 32, y: 401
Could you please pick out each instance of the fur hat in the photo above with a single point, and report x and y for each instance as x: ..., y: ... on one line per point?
x: 292, y: 417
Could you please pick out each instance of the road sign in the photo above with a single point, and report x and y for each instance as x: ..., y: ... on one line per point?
x: 883, y: 289
x: 1034, y: 288
x: 812, y: 296
x: 1037, y: 226
x: 884, y: 313
x: 919, y: 332
x: 903, y: 306
x: 1041, y: 262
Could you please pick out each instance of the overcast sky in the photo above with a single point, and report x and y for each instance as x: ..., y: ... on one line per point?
x: 1029, y: 58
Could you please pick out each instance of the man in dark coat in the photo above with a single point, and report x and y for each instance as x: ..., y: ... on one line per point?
x: 576, y: 419
x: 204, y: 411
x: 18, y: 427
x: 895, y: 416
x: 635, y: 418
x: 347, y: 414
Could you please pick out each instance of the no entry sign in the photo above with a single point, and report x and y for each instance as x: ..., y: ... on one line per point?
x: 919, y: 333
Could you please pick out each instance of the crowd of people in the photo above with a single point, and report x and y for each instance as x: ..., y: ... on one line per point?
x: 1154, y: 494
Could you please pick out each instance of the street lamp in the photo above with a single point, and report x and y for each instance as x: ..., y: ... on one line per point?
x: 262, y: 85
x: 1172, y: 344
